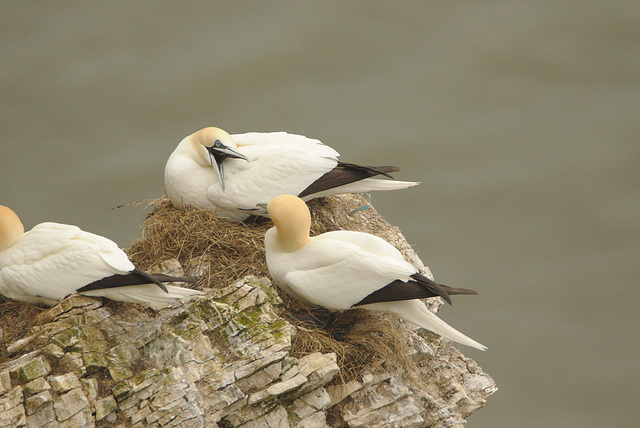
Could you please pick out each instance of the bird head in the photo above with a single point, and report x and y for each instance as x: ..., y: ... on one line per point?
x: 292, y: 219
x: 11, y: 228
x: 219, y: 146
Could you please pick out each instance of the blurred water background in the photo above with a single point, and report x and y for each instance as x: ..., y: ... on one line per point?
x: 520, y: 118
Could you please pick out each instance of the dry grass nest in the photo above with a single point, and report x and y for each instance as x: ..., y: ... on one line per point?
x: 16, y: 320
x: 362, y: 340
x: 225, y: 251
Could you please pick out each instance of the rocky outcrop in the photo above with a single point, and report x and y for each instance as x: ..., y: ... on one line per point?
x: 224, y: 360
x: 221, y: 360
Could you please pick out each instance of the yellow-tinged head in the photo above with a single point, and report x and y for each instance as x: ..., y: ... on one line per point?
x: 219, y: 146
x: 11, y: 228
x: 292, y: 219
x: 207, y: 137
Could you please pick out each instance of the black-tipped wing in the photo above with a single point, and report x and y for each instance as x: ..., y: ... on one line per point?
x: 168, y: 278
x: 345, y: 173
x: 135, y: 277
x: 419, y: 288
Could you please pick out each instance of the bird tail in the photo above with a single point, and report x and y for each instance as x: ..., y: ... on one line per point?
x: 365, y: 185
x: 145, y: 293
x: 417, y: 313
x: 377, y: 184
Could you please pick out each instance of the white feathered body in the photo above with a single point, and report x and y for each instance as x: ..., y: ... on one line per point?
x: 54, y: 260
x: 336, y: 270
x: 277, y: 163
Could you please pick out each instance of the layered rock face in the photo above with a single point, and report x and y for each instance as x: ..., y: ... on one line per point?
x: 224, y: 360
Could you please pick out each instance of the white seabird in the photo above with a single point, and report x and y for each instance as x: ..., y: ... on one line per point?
x: 53, y: 260
x: 340, y: 270
x: 237, y: 175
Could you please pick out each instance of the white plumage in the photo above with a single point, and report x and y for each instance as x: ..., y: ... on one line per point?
x: 54, y: 260
x: 237, y: 175
x: 338, y: 270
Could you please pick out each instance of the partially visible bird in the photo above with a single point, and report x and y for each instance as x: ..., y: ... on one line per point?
x: 341, y: 270
x: 237, y: 175
x: 53, y: 260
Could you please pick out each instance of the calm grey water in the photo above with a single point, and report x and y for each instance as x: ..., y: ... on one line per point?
x: 520, y: 118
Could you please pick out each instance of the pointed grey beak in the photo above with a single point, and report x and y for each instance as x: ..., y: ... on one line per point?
x: 218, y: 153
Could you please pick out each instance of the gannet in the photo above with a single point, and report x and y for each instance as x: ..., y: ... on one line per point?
x: 340, y: 270
x: 53, y: 260
x: 237, y: 175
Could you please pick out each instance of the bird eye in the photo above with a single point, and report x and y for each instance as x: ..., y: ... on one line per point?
x: 217, y: 144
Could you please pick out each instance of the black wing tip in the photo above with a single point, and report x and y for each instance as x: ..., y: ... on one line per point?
x: 134, y: 277
x: 371, y: 171
x: 434, y: 287
x: 388, y: 170
x: 450, y: 291
x: 160, y: 279
x: 419, y: 287
x: 447, y: 298
x: 159, y: 284
x: 168, y: 278
x: 460, y: 291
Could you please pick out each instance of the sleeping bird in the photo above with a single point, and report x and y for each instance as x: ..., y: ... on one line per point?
x: 52, y: 261
x: 341, y: 270
x: 236, y: 175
